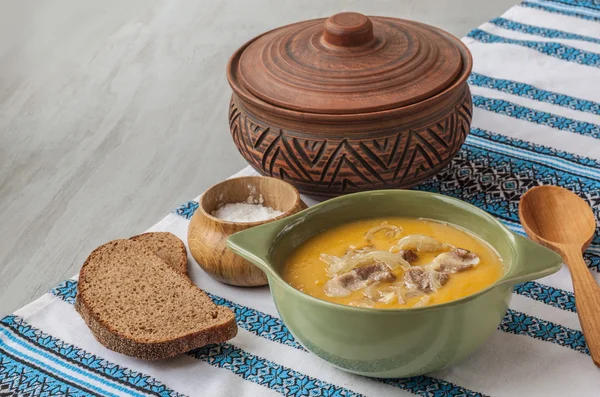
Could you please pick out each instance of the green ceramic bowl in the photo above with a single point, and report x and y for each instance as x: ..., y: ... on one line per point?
x: 387, y: 343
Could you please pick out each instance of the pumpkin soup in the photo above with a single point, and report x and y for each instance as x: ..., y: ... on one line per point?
x: 393, y: 263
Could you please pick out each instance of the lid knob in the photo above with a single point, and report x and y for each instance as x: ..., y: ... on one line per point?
x: 348, y: 29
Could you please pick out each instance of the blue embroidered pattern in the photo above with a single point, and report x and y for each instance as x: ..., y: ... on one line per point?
x: 535, y: 148
x: 535, y: 93
x: 67, y: 291
x: 289, y: 382
x: 521, y: 324
x: 259, y: 323
x: 18, y: 378
x: 82, y: 358
x: 592, y: 4
x: 553, y: 10
x: 555, y: 50
x: 516, y: 111
x: 428, y: 386
x: 267, y: 373
x: 558, y: 298
x: 187, y: 209
x: 540, y: 31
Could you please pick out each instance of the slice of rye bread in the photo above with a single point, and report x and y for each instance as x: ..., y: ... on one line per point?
x: 136, y: 304
x: 167, y: 246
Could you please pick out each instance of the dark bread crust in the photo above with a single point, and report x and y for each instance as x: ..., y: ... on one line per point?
x: 105, y: 333
x: 176, y: 245
x: 157, y: 350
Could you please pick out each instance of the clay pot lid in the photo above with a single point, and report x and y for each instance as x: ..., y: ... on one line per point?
x: 349, y: 63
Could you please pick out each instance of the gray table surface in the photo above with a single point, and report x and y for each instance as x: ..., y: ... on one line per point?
x: 114, y: 112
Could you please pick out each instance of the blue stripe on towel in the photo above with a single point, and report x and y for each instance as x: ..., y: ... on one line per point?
x: 536, y: 158
x: 531, y: 92
x: 258, y: 323
x: 540, y: 31
x: 532, y: 158
x: 552, y: 49
x: 52, y: 371
x: 504, y: 174
x: 81, y: 358
x: 551, y: 120
x: 277, y: 377
x: 266, y: 373
x: 427, y: 386
x: 19, y: 378
x: 519, y: 323
x: 563, y: 158
x: 551, y: 296
x: 568, y: 11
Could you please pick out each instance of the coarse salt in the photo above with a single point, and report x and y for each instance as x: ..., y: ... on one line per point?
x: 244, y: 212
x: 252, y: 210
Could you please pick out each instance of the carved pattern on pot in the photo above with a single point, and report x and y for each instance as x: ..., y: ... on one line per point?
x: 331, y: 166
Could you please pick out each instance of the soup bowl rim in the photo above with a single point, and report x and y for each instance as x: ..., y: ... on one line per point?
x: 515, y: 242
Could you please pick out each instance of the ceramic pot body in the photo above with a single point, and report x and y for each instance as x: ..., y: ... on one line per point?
x: 335, y: 109
x: 390, y: 343
x: 327, y: 160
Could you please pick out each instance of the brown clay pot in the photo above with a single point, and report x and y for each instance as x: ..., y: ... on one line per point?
x: 207, y: 235
x: 350, y: 103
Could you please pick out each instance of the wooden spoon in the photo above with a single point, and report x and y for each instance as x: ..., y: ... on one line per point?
x: 563, y: 222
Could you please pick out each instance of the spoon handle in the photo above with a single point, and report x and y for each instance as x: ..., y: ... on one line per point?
x: 587, y: 300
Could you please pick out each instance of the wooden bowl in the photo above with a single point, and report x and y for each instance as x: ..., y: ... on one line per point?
x: 207, y: 234
x: 350, y: 103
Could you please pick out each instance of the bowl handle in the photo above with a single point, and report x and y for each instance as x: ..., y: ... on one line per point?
x: 254, y: 244
x: 532, y: 261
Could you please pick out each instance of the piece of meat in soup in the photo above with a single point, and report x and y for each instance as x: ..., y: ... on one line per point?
x: 424, y: 280
x: 358, y: 278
